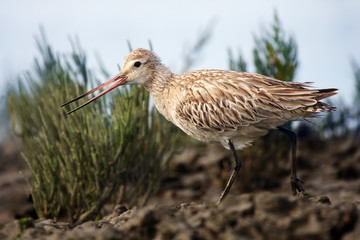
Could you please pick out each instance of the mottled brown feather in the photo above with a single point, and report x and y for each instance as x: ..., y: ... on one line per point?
x: 232, y: 99
x: 218, y: 105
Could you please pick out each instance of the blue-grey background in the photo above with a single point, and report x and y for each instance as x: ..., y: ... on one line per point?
x: 327, y: 33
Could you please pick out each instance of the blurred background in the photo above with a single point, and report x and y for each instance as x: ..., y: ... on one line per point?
x: 326, y: 33
x: 73, y: 45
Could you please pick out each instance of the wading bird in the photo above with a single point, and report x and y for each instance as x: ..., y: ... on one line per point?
x: 233, y: 108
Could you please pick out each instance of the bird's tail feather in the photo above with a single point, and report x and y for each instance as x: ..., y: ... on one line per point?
x: 325, y: 93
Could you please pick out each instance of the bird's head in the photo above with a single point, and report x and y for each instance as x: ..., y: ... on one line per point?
x: 139, y: 68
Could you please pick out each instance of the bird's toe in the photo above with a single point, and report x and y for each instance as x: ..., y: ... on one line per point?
x: 296, y: 186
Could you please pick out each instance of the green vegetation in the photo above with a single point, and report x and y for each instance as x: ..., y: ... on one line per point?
x: 275, y: 54
x: 115, y: 150
x: 24, y: 223
x: 356, y: 68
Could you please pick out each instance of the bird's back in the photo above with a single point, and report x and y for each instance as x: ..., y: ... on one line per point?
x: 215, y: 105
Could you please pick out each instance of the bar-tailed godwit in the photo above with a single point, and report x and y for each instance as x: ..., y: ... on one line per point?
x: 233, y: 108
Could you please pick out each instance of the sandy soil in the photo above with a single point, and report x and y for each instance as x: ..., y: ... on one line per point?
x: 184, y: 207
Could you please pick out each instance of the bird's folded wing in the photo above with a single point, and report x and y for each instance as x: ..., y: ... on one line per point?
x: 226, y: 104
x: 222, y: 108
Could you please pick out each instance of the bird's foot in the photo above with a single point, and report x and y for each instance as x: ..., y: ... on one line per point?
x: 296, y: 186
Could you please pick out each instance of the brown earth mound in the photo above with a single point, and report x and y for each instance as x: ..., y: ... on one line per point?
x: 257, y: 208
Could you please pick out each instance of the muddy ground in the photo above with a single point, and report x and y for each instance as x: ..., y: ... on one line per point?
x: 184, y: 207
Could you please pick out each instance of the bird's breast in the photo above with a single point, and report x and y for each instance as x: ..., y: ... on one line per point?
x: 163, y: 104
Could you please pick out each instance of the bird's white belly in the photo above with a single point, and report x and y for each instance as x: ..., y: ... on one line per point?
x: 242, y: 137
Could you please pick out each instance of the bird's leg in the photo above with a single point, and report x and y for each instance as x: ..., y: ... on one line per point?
x: 233, y: 174
x: 296, y: 184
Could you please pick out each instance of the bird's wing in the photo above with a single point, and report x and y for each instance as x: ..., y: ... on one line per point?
x: 223, y: 101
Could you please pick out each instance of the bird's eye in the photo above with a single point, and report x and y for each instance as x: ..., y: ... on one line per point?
x: 137, y: 64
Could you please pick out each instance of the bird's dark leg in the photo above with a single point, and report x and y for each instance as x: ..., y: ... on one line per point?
x: 233, y: 174
x: 296, y: 184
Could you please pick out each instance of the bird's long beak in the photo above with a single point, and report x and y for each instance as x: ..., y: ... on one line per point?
x: 118, y: 79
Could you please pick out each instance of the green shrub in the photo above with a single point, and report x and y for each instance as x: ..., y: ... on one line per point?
x: 275, y: 54
x: 114, y: 150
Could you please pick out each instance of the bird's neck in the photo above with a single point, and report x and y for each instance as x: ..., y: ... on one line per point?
x: 160, y: 80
